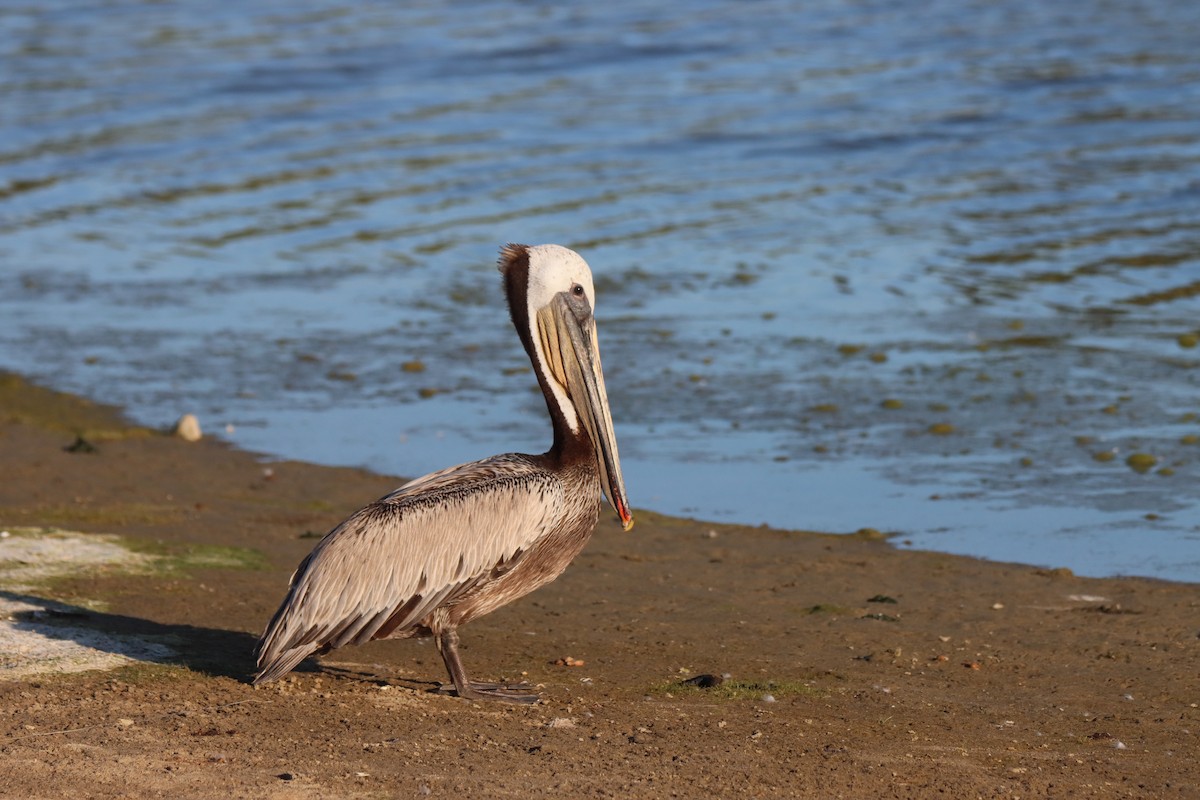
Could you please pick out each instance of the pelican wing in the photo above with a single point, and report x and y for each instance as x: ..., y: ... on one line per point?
x: 389, y: 565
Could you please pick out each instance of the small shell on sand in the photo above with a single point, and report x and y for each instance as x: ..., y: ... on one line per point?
x: 188, y: 428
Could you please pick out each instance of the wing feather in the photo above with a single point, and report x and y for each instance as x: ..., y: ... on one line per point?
x: 391, y: 564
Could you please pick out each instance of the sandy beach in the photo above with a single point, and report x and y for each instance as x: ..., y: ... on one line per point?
x: 846, y: 668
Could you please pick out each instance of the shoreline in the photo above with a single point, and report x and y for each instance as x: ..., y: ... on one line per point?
x: 910, y: 517
x: 856, y: 668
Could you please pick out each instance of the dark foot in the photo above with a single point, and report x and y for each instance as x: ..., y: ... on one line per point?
x: 518, y: 693
x: 447, y: 642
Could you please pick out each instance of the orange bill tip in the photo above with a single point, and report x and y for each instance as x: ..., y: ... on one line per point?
x: 625, y: 516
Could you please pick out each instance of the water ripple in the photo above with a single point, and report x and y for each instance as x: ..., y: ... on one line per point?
x: 850, y: 258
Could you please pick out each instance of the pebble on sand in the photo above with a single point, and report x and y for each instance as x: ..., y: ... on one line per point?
x: 188, y: 428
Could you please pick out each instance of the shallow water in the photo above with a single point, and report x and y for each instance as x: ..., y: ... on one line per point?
x: 985, y: 213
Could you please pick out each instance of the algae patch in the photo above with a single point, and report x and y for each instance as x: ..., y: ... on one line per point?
x: 179, y: 558
x: 1141, y: 462
x: 24, y: 402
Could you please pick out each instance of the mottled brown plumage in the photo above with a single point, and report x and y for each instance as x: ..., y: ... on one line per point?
x: 456, y: 544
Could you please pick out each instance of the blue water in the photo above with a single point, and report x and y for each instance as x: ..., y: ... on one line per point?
x: 987, y: 213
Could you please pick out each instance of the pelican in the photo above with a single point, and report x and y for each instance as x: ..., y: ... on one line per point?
x: 456, y: 544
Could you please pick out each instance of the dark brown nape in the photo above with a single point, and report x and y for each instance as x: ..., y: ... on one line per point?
x: 514, y: 266
x: 510, y: 254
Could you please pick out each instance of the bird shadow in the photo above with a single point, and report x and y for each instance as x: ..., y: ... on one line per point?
x: 377, y: 675
x: 45, y: 625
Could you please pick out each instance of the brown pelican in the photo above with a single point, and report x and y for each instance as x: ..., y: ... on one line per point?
x: 449, y: 547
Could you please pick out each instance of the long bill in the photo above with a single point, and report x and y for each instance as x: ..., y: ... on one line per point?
x: 574, y: 354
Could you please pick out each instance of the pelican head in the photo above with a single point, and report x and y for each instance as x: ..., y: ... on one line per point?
x: 551, y: 299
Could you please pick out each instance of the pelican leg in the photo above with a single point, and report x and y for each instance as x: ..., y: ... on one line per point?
x: 447, y: 644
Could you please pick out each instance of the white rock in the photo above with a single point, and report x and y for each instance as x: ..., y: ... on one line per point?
x: 188, y: 428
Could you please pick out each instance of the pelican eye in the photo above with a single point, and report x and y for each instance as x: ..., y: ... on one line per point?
x: 577, y: 290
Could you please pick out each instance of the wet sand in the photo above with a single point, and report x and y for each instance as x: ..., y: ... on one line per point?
x: 855, y: 669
